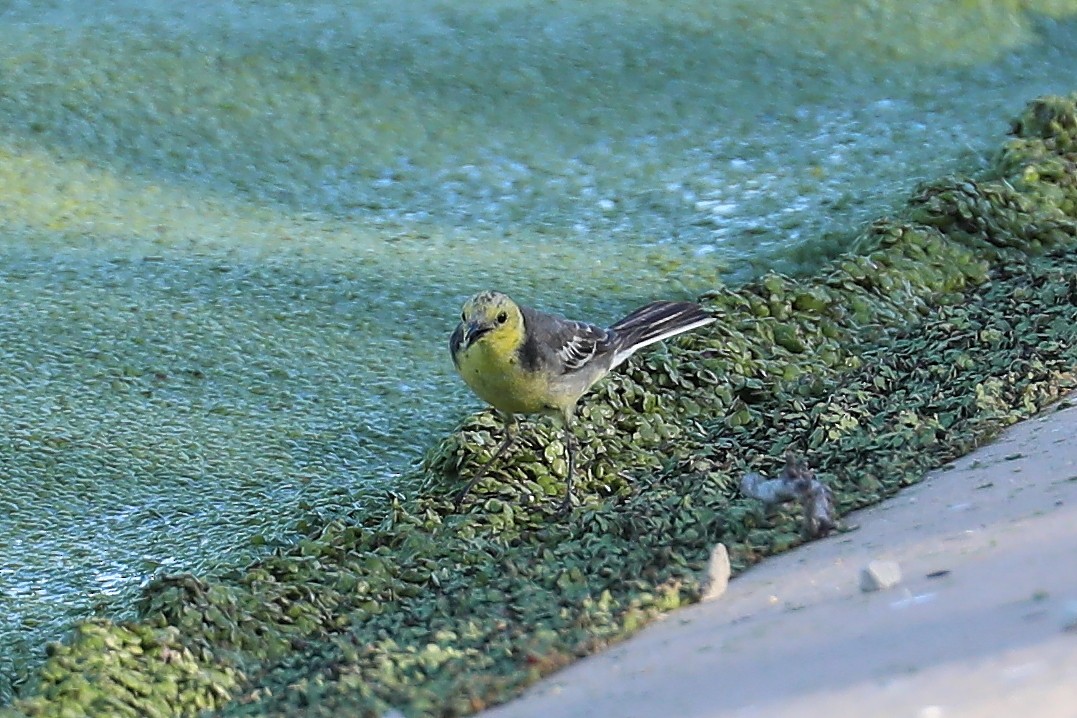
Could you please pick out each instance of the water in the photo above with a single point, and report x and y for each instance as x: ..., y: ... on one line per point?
x: 235, y: 236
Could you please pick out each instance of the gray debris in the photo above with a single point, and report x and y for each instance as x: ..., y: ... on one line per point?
x: 798, y: 483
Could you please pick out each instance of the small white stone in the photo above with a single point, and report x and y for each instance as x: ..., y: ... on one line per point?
x: 718, y: 571
x: 607, y: 205
x: 879, y: 575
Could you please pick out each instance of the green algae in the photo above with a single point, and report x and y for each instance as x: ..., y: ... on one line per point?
x: 752, y: 136
x: 954, y: 319
x: 132, y: 671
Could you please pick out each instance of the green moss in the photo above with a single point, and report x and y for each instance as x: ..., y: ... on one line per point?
x: 126, y: 670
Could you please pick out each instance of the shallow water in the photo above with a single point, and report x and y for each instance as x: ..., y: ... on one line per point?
x: 234, y: 236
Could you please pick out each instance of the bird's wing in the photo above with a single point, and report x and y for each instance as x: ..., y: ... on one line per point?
x: 577, y: 343
x: 561, y: 345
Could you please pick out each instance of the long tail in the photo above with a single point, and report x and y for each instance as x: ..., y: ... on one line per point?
x: 653, y: 323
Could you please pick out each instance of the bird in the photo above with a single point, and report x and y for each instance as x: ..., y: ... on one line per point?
x: 521, y: 360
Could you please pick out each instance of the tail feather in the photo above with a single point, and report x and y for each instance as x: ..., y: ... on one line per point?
x: 653, y: 323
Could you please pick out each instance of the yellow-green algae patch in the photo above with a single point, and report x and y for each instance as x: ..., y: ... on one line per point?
x: 951, y: 321
x: 735, y: 128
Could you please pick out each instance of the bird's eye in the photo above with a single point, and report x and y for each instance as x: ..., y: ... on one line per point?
x: 502, y: 317
x: 463, y: 316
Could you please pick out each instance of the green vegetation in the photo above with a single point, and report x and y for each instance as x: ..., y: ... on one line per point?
x: 943, y: 326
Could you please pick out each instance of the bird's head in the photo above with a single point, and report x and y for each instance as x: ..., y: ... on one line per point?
x: 489, y: 317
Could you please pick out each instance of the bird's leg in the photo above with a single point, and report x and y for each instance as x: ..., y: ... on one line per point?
x: 566, y: 503
x: 510, y: 436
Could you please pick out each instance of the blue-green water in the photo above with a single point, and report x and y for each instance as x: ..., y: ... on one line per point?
x: 234, y: 236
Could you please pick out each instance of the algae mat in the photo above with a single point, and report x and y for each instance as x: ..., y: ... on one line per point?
x: 951, y: 321
x: 745, y: 131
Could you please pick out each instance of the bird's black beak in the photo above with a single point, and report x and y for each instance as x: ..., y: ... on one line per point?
x: 473, y: 331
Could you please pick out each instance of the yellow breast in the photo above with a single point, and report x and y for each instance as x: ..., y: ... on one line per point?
x: 495, y: 375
